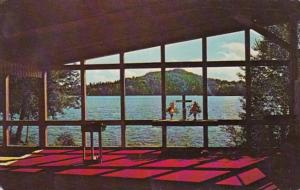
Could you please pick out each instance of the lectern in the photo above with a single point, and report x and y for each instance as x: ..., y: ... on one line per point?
x: 92, y: 127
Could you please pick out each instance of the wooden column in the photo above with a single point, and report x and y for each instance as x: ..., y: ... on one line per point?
x: 83, y: 91
x: 204, y: 83
x: 123, y: 93
x: 248, y: 74
x: 83, y: 102
x: 163, y: 95
x: 5, y: 109
x: 43, y: 115
x: 248, y: 83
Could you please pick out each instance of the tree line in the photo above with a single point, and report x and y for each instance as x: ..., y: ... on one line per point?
x: 178, y: 82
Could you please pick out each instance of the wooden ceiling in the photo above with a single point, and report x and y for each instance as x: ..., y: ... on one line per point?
x: 49, y: 33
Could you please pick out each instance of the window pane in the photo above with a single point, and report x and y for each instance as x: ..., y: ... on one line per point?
x: 143, y: 136
x: 220, y: 136
x: 143, y: 100
x: 178, y: 115
x: 264, y: 49
x: 111, y: 59
x: 24, y: 96
x: 24, y: 135
x: 1, y: 135
x: 269, y: 97
x: 184, y: 81
x: 184, y: 51
x: 143, y: 55
x: 103, y: 95
x: 226, y: 91
x: 64, y: 136
x: 64, y: 101
x: 73, y: 63
x: 111, y: 136
x: 255, y: 40
x: 226, y: 47
x: 184, y: 136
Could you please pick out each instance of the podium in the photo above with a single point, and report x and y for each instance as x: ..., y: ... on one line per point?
x: 92, y: 127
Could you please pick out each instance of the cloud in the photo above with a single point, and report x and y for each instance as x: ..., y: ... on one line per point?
x: 232, y: 51
x: 224, y: 73
x: 94, y: 76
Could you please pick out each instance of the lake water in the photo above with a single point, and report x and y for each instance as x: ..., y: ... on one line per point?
x: 147, y: 108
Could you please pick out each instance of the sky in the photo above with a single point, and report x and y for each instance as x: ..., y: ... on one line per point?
x: 226, y: 47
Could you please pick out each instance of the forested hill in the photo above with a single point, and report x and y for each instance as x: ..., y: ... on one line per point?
x: 178, y: 82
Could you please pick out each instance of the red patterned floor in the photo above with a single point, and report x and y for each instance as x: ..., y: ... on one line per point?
x: 148, y: 168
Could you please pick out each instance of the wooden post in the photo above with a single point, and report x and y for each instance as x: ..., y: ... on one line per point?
x: 183, y: 107
x: 5, y: 110
x: 163, y: 95
x: 100, y: 153
x: 92, y: 144
x: 248, y: 84
x: 43, y: 115
x: 83, y: 91
x: 248, y: 74
x: 123, y: 93
x: 83, y: 104
x: 205, y: 99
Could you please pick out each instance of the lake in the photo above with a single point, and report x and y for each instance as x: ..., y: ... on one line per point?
x: 148, y: 108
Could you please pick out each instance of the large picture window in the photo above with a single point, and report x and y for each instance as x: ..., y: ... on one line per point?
x: 111, y: 59
x: 64, y: 100
x: 24, y: 135
x: 184, y: 51
x: 64, y: 136
x: 25, y: 93
x: 103, y: 95
x: 143, y: 90
x: 131, y: 91
x: 143, y: 55
x: 143, y: 136
x: 226, y: 91
x: 111, y: 136
x: 184, y: 136
x: 226, y: 47
x: 185, y: 82
x: 1, y: 135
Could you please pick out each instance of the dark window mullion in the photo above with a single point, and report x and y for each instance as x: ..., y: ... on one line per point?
x: 205, y: 98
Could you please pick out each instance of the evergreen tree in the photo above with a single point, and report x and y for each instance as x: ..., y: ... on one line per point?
x: 269, y: 96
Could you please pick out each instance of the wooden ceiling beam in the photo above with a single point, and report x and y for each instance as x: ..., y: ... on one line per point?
x: 95, y: 31
x: 155, y: 7
x: 18, y: 70
x: 109, y: 36
x: 102, y: 33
